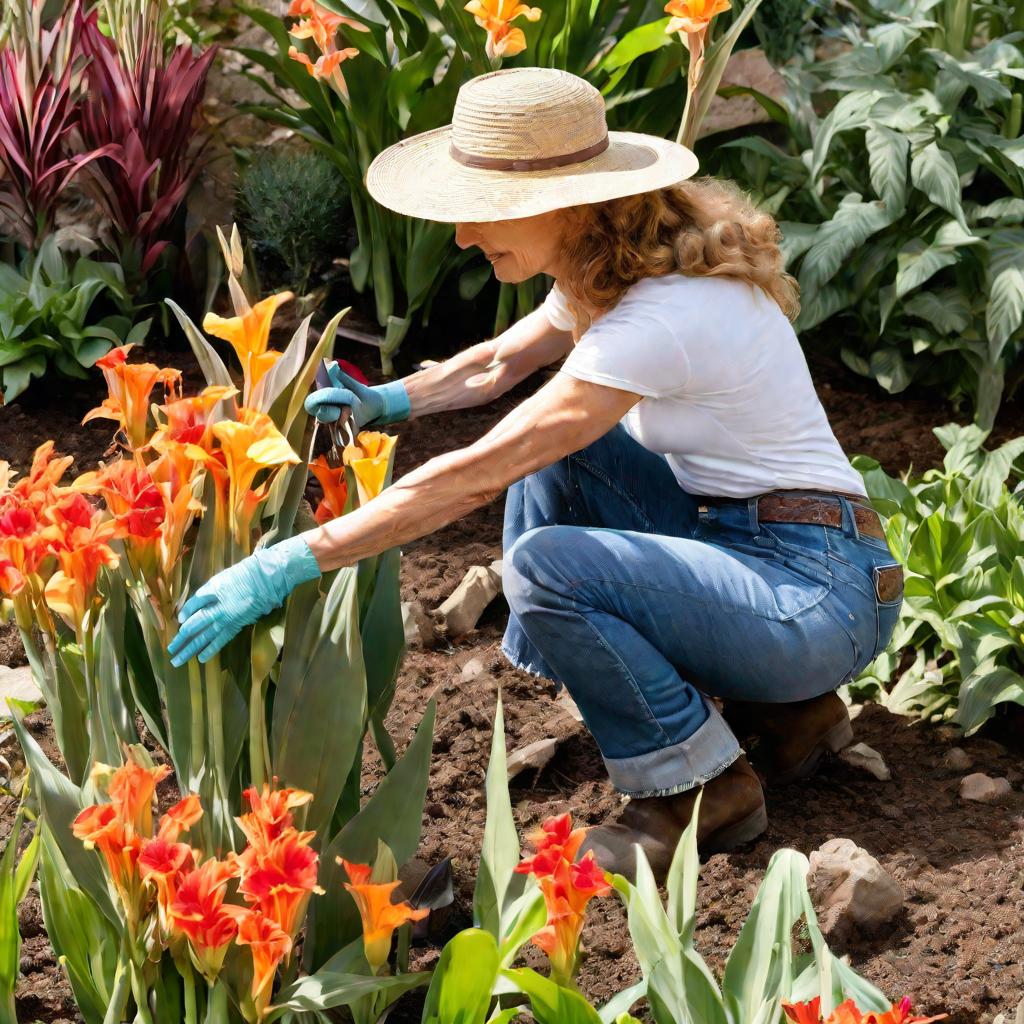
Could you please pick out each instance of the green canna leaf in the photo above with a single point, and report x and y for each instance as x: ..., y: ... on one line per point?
x: 460, y: 991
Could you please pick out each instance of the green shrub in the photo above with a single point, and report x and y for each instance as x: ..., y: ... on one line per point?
x: 902, y: 207
x: 62, y: 313
x: 295, y: 209
x: 959, y: 532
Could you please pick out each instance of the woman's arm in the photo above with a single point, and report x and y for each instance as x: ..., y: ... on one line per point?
x: 482, y: 373
x: 561, y: 418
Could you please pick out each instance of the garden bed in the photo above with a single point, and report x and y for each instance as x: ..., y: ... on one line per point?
x: 958, y: 947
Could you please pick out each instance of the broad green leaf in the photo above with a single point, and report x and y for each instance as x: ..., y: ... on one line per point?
x: 325, y: 990
x: 888, y: 153
x: 918, y: 263
x: 209, y: 361
x: 852, y: 111
x: 986, y: 687
x: 933, y: 171
x: 460, y: 991
x: 851, y: 225
x: 1005, y: 311
x: 551, y: 1003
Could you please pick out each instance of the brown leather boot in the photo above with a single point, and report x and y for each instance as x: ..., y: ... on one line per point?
x: 786, y: 742
x: 732, y: 813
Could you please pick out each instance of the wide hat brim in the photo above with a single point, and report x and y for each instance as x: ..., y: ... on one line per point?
x: 419, y: 177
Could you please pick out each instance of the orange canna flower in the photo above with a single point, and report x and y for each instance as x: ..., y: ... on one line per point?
x: 322, y: 26
x: 249, y: 334
x: 847, y: 1013
x: 131, y: 790
x: 247, y: 446
x: 270, y: 816
x: 129, y: 387
x: 331, y: 21
x: 179, y: 818
x: 198, y: 911
x: 379, y: 915
x: 12, y: 581
x: 335, y: 489
x: 325, y: 67
x: 496, y: 17
x: 370, y: 459
x: 100, y: 827
x: 693, y: 16
x: 270, y: 945
x: 131, y: 495
x: 280, y: 879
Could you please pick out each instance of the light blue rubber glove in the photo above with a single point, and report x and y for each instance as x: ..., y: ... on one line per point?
x: 236, y: 597
x: 371, y: 406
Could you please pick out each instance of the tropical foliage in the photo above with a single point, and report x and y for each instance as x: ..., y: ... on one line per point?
x: 959, y: 532
x: 901, y: 207
x: 61, y: 312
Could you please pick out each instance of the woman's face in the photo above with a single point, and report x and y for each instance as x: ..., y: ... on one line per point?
x: 517, y: 249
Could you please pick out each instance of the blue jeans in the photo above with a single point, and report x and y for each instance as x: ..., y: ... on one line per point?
x: 641, y: 600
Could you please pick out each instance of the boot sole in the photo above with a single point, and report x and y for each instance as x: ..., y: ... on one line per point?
x: 743, y: 832
x: 838, y: 737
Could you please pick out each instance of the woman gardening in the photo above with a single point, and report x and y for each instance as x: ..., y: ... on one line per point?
x: 680, y: 524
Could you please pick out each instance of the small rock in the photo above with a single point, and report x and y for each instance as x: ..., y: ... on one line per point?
x: 568, y: 705
x: 496, y: 567
x: 852, y: 890
x: 957, y: 759
x: 19, y: 684
x: 419, y: 627
x: 860, y: 755
x: 473, y: 668
x: 983, y: 789
x: 891, y: 811
x: 462, y: 610
x: 534, y: 755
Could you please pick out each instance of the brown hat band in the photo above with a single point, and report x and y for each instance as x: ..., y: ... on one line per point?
x: 544, y: 163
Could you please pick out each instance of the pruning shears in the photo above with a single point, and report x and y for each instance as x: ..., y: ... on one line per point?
x: 323, y: 380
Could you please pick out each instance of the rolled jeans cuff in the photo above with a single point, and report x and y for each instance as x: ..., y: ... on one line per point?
x: 682, y: 766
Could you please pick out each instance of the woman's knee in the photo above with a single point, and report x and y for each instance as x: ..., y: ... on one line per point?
x: 534, y: 567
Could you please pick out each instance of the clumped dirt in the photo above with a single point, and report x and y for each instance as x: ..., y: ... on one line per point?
x: 958, y: 946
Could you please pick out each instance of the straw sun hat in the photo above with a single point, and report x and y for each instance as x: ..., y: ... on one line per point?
x: 522, y: 142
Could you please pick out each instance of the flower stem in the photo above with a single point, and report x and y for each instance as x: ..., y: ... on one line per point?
x: 196, y: 739
x: 119, y: 994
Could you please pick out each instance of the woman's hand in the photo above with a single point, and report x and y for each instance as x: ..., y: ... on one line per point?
x: 238, y: 596
x: 371, y: 406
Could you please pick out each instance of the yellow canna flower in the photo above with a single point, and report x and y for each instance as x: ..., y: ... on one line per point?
x: 249, y: 334
x: 370, y: 459
x: 496, y: 17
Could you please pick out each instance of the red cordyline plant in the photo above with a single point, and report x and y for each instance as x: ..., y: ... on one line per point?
x: 38, y: 119
x: 144, y: 120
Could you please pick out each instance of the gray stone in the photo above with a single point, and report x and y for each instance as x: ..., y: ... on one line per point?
x: 418, y: 625
x: 860, y: 755
x: 957, y: 759
x: 534, y: 755
x: 851, y: 889
x: 19, y: 684
x: 983, y: 789
x: 472, y: 669
x: 462, y: 610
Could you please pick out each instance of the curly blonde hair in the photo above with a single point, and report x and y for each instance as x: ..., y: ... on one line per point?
x: 704, y: 227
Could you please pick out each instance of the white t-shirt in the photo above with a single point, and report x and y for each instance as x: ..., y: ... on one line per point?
x: 728, y: 398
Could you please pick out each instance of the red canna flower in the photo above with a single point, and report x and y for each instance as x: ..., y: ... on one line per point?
x: 555, y: 841
x: 100, y: 827
x: 198, y: 911
x: 279, y: 879
x: 129, y: 387
x: 847, y: 1013
x: 567, y: 887
x: 164, y: 864
x: 379, y: 915
x: 269, y: 945
x: 188, y: 420
x: 332, y: 481
x: 270, y: 815
x: 131, y: 495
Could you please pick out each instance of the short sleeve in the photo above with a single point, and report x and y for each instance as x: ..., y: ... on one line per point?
x: 633, y: 350
x: 557, y: 309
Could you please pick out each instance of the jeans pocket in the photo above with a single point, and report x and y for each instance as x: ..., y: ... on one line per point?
x: 888, y: 580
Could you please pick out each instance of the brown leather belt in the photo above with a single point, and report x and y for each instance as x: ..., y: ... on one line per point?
x: 779, y: 507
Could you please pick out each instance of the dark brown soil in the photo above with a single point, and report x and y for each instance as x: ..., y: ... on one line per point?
x: 958, y: 946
